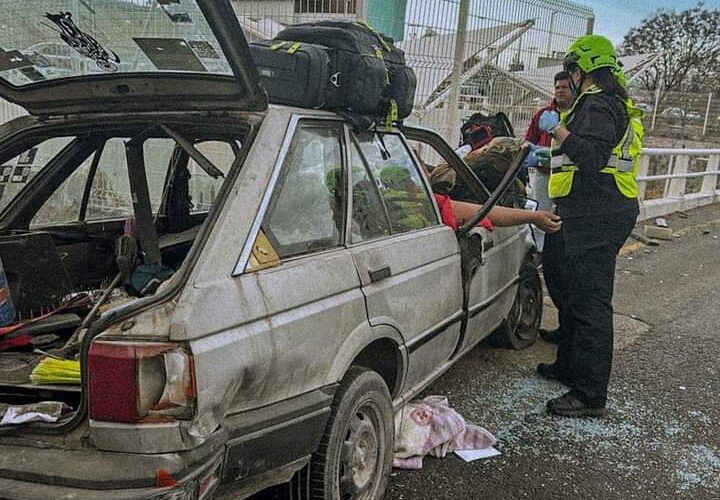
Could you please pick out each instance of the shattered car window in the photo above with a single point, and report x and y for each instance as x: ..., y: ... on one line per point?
x: 68, y: 38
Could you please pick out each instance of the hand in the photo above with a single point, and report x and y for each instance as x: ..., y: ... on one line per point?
x: 547, y: 221
x: 549, y: 120
x: 531, y: 160
x: 544, y: 155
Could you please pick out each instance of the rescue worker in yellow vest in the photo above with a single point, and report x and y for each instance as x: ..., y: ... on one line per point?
x: 596, y: 148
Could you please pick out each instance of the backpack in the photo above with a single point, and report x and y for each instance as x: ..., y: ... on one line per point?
x: 490, y: 163
x: 368, y: 73
x: 480, y: 129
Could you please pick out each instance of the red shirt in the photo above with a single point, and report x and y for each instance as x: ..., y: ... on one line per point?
x: 534, y: 134
x: 447, y: 214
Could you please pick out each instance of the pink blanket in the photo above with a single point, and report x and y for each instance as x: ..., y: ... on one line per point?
x: 430, y: 426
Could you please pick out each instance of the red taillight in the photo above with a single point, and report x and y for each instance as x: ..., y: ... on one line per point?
x: 136, y: 382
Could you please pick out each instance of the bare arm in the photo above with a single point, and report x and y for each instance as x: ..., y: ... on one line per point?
x: 504, y: 216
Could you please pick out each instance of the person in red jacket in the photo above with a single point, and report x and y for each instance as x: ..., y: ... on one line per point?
x: 455, y: 213
x: 563, y: 101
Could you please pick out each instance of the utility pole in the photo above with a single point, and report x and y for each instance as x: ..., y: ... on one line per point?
x: 453, y: 124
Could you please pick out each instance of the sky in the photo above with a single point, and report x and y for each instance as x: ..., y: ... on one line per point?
x: 614, y: 18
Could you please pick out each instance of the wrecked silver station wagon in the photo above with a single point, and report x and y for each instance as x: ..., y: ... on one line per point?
x: 249, y: 291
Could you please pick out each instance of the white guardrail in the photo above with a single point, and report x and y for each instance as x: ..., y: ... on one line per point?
x: 670, y: 191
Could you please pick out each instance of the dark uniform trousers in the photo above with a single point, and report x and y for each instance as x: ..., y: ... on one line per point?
x: 579, y: 268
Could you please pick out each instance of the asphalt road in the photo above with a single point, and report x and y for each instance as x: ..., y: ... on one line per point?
x: 660, y: 439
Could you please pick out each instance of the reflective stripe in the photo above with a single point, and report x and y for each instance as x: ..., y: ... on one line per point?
x: 616, y: 164
x: 278, y: 45
x: 630, y: 136
x: 293, y: 48
x: 560, y: 160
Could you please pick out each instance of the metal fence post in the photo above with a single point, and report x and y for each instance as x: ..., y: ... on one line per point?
x: 643, y: 169
x: 657, y: 101
x: 677, y: 184
x: 707, y: 113
x: 459, y: 60
x: 709, y: 185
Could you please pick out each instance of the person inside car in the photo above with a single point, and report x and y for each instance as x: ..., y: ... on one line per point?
x: 455, y: 213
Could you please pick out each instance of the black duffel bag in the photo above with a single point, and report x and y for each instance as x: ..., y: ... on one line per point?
x: 293, y: 73
x: 355, y: 49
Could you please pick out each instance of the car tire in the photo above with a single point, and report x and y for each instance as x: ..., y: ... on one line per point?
x: 520, y: 329
x: 354, y: 458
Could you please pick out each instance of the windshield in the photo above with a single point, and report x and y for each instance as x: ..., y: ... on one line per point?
x: 46, y: 40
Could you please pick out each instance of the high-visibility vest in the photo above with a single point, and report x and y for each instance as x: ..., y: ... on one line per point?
x: 623, y: 163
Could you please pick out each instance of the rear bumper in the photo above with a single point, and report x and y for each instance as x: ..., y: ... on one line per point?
x: 197, y: 485
x: 27, y: 472
x: 253, y: 450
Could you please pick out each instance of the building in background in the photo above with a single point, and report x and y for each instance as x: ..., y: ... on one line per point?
x: 264, y: 18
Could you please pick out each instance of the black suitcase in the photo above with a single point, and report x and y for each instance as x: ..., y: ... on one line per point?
x: 354, y: 45
x: 296, y: 74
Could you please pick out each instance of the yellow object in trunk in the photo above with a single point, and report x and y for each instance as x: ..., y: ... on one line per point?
x: 52, y: 371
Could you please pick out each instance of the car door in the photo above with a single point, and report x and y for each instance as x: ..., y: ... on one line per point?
x: 491, y: 286
x: 408, y: 262
x: 300, y: 290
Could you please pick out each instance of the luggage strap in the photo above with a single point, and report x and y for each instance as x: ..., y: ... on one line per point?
x: 377, y: 35
x: 392, y: 115
x: 291, y: 50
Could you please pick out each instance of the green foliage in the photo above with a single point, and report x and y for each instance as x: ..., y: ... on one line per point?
x: 688, y: 44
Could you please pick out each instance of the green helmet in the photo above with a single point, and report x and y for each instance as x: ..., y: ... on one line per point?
x: 591, y: 52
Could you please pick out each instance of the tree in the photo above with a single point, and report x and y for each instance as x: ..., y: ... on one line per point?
x: 688, y: 44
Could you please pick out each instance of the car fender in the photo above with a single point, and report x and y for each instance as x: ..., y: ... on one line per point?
x: 361, y: 337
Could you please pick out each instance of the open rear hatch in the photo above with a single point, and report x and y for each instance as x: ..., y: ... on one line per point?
x: 70, y: 56
x: 110, y: 209
x: 111, y: 213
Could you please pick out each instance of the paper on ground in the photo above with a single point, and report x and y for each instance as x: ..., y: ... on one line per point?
x: 470, y: 455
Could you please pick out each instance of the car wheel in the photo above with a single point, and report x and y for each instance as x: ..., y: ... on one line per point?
x: 354, y: 458
x: 520, y: 329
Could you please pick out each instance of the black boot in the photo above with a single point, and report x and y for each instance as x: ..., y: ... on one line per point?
x: 552, y: 336
x: 568, y: 405
x: 552, y: 371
